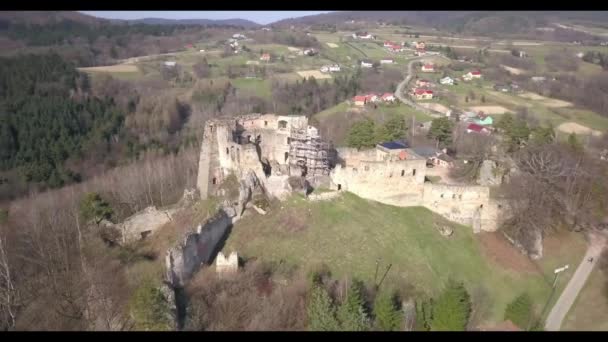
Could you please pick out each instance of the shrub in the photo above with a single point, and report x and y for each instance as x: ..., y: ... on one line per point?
x: 149, y: 308
x: 519, y: 311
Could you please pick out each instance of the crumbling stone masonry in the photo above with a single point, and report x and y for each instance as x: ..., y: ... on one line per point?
x: 274, y: 147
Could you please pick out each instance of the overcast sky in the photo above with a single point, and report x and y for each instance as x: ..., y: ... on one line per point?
x: 260, y: 17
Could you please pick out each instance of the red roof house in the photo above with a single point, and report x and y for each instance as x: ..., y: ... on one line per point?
x: 360, y: 100
x: 428, y: 67
x: 388, y: 97
x: 477, y: 129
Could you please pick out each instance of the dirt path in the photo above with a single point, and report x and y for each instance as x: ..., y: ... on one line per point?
x: 575, y: 285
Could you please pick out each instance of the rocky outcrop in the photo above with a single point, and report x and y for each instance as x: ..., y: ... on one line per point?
x: 144, y: 223
x: 489, y: 174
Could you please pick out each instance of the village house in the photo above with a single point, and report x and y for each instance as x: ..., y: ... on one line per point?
x: 309, y: 52
x: 388, y: 97
x: 372, y: 98
x: 471, y: 75
x: 423, y: 94
x: 484, y: 119
x: 366, y: 64
x: 421, y: 83
x: 427, y: 152
x: 360, y: 100
x: 538, y: 78
x: 334, y: 68
x: 428, y: 67
x: 170, y: 64
x: 265, y: 57
x: 447, y: 81
x: 475, y: 128
x: 444, y: 160
x: 386, y: 61
x: 363, y: 35
x: 238, y: 36
x: 419, y: 45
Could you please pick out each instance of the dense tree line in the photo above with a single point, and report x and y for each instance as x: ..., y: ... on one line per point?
x: 596, y: 57
x: 44, y: 120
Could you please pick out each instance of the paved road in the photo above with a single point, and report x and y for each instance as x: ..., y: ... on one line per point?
x: 576, y: 283
x: 399, y: 93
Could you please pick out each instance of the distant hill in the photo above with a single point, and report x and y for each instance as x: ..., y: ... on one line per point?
x: 474, y: 22
x: 48, y: 17
x: 247, y: 24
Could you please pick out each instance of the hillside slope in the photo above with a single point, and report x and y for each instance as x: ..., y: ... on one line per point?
x: 350, y: 233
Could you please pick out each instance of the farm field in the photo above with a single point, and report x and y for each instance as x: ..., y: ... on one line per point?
x: 349, y: 234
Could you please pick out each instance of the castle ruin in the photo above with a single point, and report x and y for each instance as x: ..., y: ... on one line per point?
x: 277, y: 147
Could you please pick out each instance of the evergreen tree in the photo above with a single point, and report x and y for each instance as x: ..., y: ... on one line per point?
x: 351, y: 314
x: 362, y: 135
x: 452, y: 309
x: 543, y: 135
x: 519, y: 311
x: 574, y: 143
x: 150, y: 309
x: 321, y: 310
x: 441, y: 131
x: 388, y: 314
x: 93, y: 207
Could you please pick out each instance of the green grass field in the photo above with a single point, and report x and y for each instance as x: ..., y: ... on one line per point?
x: 349, y: 234
x: 590, y: 310
x: 258, y: 87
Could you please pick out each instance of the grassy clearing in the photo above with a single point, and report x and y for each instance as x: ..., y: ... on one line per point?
x: 350, y: 234
x: 590, y: 310
x: 258, y: 87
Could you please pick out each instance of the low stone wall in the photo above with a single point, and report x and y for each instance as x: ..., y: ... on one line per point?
x: 196, y: 249
x: 324, y: 196
x: 142, y: 223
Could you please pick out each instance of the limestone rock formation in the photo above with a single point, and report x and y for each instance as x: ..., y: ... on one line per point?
x: 489, y: 174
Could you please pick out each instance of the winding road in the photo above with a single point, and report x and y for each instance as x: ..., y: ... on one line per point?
x: 575, y: 285
x: 399, y: 92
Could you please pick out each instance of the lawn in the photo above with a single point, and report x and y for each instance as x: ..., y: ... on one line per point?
x: 590, y: 310
x: 256, y: 86
x: 349, y: 234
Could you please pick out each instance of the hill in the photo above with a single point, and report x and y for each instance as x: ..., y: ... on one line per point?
x: 48, y: 17
x: 472, y: 22
x: 350, y: 234
x: 246, y: 24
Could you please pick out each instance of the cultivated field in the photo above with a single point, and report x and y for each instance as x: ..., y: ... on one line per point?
x: 513, y: 70
x: 490, y: 109
x: 573, y: 127
x: 549, y: 102
x: 313, y: 73
x: 438, y: 107
x: 293, y: 49
x: 332, y: 45
x: 350, y: 234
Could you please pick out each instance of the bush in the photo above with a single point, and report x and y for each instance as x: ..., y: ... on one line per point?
x: 150, y: 309
x: 519, y: 311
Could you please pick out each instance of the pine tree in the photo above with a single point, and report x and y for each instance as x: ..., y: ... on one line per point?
x: 351, y: 314
x: 452, y: 309
x: 321, y: 310
x: 362, y: 135
x: 388, y: 315
x: 441, y: 130
x: 574, y: 142
x: 519, y: 311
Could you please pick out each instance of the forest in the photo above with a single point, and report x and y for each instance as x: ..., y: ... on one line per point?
x: 46, y: 117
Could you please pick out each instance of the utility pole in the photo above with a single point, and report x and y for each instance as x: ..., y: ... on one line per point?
x: 557, y: 271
